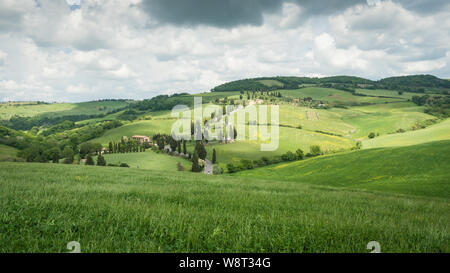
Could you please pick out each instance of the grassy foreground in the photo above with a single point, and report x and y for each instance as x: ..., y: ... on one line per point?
x: 419, y: 170
x: 44, y: 206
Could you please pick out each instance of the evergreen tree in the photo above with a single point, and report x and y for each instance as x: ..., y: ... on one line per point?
x: 101, y: 160
x: 200, y: 149
x: 179, y: 147
x: 89, y: 160
x: 214, y: 160
x: 195, y: 166
x: 110, y: 148
x: 184, y: 146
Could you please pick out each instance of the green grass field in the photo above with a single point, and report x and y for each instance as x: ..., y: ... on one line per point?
x: 420, y: 170
x: 271, y: 83
x: 45, y: 206
x: 149, y: 160
x: 334, y: 95
x: 439, y: 131
x: 386, y: 93
x: 30, y: 109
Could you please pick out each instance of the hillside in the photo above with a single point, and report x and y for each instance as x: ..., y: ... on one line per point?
x: 412, y: 83
x: 436, y: 132
x: 272, y: 83
x: 127, y: 210
x: 24, y: 116
x: 419, y: 170
x: 415, y: 81
x: 7, y: 153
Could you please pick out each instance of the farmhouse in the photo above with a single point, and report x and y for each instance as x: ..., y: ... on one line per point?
x: 141, y: 139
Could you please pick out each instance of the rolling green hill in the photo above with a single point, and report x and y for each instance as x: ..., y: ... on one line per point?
x: 440, y: 131
x: 30, y: 109
x: 420, y: 170
x: 7, y: 153
x: 45, y: 206
x: 412, y: 83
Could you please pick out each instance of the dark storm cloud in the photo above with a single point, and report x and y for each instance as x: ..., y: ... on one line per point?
x: 232, y: 13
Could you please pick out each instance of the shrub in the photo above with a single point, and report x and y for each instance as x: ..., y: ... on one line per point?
x: 217, y: 170
x: 266, y: 160
x: 232, y: 168
x: 124, y: 165
x: 89, y: 160
x: 247, y: 164
x: 258, y: 163
x: 300, y: 154
x: 101, y: 161
x: 315, y: 150
x: 276, y: 159
x: 372, y: 135
x: 289, y: 156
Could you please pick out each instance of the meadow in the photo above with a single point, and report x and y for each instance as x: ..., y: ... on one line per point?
x: 149, y: 160
x: 45, y: 206
x: 30, y: 109
x: 439, y: 131
x: 335, y: 96
x: 420, y: 170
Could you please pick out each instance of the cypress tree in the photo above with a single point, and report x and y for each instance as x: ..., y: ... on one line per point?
x: 101, y: 160
x: 214, y: 160
x: 200, y: 149
x: 89, y: 160
x: 184, y: 146
x: 195, y: 166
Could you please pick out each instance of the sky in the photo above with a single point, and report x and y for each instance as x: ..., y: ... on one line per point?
x: 81, y: 50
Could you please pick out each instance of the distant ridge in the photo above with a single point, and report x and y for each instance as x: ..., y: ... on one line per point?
x: 412, y: 83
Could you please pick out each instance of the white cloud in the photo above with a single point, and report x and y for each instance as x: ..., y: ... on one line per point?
x: 116, y: 49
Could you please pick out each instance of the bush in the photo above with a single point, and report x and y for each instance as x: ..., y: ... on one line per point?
x: 124, y: 165
x: 247, y: 164
x: 232, y: 168
x: 217, y: 170
x: 372, y: 135
x: 300, y: 154
x: 315, y: 150
x: 101, y: 161
x: 289, y: 156
x: 258, y: 163
x: 89, y: 160
x: 266, y: 160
